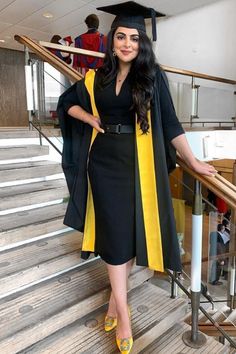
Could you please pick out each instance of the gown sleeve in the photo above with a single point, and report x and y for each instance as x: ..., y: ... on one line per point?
x: 75, y: 133
x: 170, y: 123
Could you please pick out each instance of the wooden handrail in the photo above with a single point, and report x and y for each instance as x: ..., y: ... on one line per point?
x: 52, y: 59
x: 169, y: 69
x: 217, y: 184
x: 199, y: 75
x: 71, y: 50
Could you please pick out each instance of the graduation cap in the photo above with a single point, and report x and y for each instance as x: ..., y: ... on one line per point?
x: 131, y: 14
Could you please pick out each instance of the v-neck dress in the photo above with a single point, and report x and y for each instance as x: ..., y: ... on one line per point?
x: 111, y: 170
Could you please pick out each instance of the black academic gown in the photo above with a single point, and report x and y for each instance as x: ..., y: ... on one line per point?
x: 160, y: 254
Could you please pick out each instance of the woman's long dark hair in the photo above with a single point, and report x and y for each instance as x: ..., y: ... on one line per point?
x: 142, y: 75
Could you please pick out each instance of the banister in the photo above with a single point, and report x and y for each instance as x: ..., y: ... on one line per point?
x: 25, y: 40
x: 71, y: 50
x: 217, y: 184
x: 52, y: 59
x: 169, y: 69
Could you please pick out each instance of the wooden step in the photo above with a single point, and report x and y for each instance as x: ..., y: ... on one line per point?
x: 41, y: 260
x: 27, y: 170
x: 26, y: 133
x: 31, y: 232
x: 40, y: 311
x: 33, y: 216
x: 22, y: 151
x: 18, y: 134
x: 152, y: 311
x: 171, y: 342
x: 29, y: 224
x: 32, y: 193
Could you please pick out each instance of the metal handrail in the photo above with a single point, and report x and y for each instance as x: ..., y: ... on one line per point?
x: 45, y: 137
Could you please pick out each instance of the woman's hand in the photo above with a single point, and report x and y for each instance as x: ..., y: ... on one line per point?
x: 86, y: 117
x: 183, y: 148
x: 95, y: 122
x: 203, y: 168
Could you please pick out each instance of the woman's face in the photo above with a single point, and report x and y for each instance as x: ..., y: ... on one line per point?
x: 126, y: 44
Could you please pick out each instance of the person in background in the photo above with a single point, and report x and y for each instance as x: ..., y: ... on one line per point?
x: 91, y: 40
x: 66, y: 57
x: 219, y: 245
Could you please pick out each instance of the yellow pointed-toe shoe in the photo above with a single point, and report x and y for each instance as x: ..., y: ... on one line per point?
x: 124, y: 344
x: 110, y: 323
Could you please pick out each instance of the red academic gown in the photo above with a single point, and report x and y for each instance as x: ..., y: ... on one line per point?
x: 91, y: 40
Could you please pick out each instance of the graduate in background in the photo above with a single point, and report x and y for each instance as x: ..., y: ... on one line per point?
x: 90, y: 40
x: 66, y: 57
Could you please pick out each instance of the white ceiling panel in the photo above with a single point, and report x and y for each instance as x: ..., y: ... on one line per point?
x: 5, y: 3
x: 58, y: 8
x: 11, y: 31
x: 73, y: 19
x: 3, y: 26
x: 41, y: 36
x: 20, y: 9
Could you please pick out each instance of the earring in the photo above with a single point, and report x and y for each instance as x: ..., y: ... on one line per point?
x: 114, y: 53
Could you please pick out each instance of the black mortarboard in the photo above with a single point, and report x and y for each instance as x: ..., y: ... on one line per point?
x: 131, y: 14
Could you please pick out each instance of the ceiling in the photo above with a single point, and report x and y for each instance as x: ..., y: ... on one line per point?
x: 25, y: 17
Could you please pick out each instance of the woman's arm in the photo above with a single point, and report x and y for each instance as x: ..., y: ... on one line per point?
x: 181, y: 144
x: 79, y: 113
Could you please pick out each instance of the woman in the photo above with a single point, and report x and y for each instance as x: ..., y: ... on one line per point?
x: 124, y: 145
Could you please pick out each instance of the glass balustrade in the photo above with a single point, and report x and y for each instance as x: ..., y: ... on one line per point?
x: 202, y: 103
x: 218, y: 248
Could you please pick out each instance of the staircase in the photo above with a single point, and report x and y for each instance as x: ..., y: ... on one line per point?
x: 226, y: 320
x: 50, y: 300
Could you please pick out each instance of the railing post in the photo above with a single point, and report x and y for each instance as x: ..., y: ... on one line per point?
x: 194, y: 111
x: 194, y: 338
x: 174, y: 286
x: 28, y: 84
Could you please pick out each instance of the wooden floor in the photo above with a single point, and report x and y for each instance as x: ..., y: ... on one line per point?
x: 171, y: 343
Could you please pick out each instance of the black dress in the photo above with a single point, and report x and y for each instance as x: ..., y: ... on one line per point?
x: 111, y: 175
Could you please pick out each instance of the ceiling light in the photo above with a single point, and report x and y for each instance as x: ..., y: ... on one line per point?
x: 48, y: 15
x: 2, y: 40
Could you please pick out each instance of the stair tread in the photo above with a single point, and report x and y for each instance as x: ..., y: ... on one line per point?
x: 149, y: 304
x: 68, y: 296
x: 33, y: 231
x: 8, y: 152
x: 6, y: 133
x: 27, y: 164
x: 32, y: 193
x: 31, y: 187
x: 33, y: 216
x: 22, y: 146
x: 43, y: 251
x: 171, y: 342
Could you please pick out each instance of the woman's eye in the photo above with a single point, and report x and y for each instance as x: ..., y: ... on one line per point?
x: 120, y: 37
x: 135, y: 39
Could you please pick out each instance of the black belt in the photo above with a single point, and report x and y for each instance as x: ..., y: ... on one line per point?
x: 118, y: 128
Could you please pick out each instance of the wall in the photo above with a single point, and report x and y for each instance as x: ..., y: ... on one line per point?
x: 201, y: 40
x: 12, y: 89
